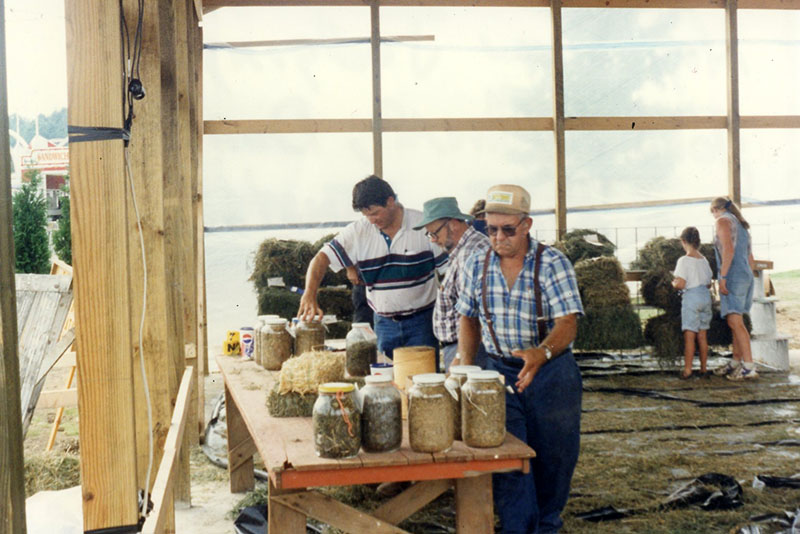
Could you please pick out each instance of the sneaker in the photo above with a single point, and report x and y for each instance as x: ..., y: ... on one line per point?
x: 727, y: 369
x: 743, y: 373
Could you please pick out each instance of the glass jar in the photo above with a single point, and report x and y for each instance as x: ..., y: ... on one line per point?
x: 430, y: 414
x: 381, y: 417
x: 483, y: 409
x: 276, y: 344
x: 336, y: 421
x: 458, y: 375
x: 259, y: 337
x: 308, y: 336
x: 362, y: 349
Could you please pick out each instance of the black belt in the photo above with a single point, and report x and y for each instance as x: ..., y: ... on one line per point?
x: 448, y: 343
x: 408, y: 315
x: 516, y: 363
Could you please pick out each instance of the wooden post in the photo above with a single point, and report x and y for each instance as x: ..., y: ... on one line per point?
x: 99, y: 206
x: 558, y: 120
x: 377, y: 115
x: 732, y: 56
x: 12, y: 478
x: 173, y: 225
x: 146, y: 162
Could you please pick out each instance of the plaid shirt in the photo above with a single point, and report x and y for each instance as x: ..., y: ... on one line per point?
x: 445, y: 316
x: 514, y: 312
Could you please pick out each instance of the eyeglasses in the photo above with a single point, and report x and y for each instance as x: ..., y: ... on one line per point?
x: 431, y: 235
x: 508, y: 230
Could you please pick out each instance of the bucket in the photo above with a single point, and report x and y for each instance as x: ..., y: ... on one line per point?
x: 410, y: 361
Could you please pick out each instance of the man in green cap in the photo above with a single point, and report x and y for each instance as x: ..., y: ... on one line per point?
x: 447, y: 227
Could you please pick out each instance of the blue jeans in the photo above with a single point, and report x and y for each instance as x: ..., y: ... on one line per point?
x: 449, y: 353
x: 413, y: 331
x: 546, y: 416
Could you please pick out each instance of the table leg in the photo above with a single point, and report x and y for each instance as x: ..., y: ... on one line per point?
x: 240, y: 448
x: 474, y: 506
x: 281, y: 518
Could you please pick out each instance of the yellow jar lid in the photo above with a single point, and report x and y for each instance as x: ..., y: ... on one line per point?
x: 336, y: 387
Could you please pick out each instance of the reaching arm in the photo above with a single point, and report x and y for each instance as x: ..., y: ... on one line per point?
x: 309, y: 307
x: 469, y: 337
x: 563, y: 333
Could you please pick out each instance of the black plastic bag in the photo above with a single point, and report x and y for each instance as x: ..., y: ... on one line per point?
x: 711, y: 491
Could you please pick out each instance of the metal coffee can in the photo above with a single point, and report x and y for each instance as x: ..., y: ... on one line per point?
x: 246, y: 341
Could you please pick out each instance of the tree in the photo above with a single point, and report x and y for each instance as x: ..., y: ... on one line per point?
x: 30, y: 228
x: 62, y: 237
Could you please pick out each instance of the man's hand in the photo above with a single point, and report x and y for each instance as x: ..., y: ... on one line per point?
x: 534, y: 359
x: 352, y: 275
x: 723, y: 286
x: 309, y: 307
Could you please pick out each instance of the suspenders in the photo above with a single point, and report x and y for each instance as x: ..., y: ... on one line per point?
x: 541, y: 322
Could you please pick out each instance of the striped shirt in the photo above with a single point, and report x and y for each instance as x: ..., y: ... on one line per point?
x: 514, y: 313
x: 398, y: 272
x: 445, y: 316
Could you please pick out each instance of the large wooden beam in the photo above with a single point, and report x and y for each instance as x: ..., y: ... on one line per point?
x: 377, y: 115
x: 733, y: 123
x: 211, y: 5
x: 558, y: 120
x: 12, y: 478
x: 99, y: 207
x: 146, y: 155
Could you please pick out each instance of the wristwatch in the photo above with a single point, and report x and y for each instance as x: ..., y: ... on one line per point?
x: 547, y: 352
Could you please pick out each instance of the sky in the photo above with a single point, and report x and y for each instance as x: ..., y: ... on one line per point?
x: 484, y: 62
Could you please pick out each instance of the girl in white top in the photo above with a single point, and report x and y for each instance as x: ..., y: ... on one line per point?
x: 693, y: 276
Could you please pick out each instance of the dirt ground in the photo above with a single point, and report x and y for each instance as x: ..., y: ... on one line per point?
x: 635, y: 449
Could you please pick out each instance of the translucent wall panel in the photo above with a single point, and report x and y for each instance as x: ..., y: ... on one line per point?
x: 465, y: 164
x: 260, y: 179
x: 287, y: 82
x: 644, y: 62
x: 770, y: 165
x: 484, y: 62
x: 769, y: 62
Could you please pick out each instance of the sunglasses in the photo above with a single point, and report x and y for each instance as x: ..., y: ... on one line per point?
x: 435, y: 234
x: 507, y: 229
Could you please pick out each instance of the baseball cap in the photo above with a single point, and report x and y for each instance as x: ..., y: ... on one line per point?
x: 506, y: 198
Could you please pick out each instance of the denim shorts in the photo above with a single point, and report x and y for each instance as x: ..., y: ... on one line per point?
x: 739, y: 297
x: 696, y: 309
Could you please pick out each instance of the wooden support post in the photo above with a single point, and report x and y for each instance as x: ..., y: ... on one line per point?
x: 732, y: 57
x: 59, y: 414
x: 99, y: 206
x: 558, y: 120
x: 281, y: 518
x: 240, y: 448
x: 146, y: 155
x: 377, y: 115
x: 474, y: 510
x: 12, y: 478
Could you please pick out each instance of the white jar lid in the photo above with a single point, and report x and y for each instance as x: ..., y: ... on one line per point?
x: 359, y: 325
x: 276, y: 321
x: 270, y: 316
x: 377, y: 379
x: 428, y: 379
x: 483, y: 375
x: 463, y: 369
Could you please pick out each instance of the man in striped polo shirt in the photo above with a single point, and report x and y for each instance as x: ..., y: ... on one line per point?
x: 397, y: 264
x: 522, y: 299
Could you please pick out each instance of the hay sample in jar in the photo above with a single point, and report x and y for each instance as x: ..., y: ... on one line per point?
x: 336, y: 421
x: 483, y: 409
x: 430, y: 415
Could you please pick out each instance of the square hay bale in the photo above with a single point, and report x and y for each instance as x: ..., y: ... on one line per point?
x: 303, y: 374
x: 290, y: 404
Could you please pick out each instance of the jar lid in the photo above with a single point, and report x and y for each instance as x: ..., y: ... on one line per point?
x: 336, y: 387
x: 377, y: 379
x: 483, y: 375
x: 276, y: 321
x: 269, y: 316
x: 428, y: 379
x: 359, y: 325
x: 462, y: 370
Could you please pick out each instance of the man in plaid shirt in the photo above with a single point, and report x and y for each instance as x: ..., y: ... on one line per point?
x: 499, y: 305
x: 447, y: 227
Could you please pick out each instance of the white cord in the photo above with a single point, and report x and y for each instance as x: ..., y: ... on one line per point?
x: 143, y: 511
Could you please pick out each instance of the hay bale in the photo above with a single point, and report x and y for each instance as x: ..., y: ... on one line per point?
x: 286, y: 258
x: 279, y: 301
x: 609, y: 329
x: 337, y: 301
x: 304, y: 373
x: 600, y: 271
x: 658, y: 292
x: 575, y: 246
x: 290, y: 404
x: 663, y: 332
x: 659, y: 253
x: 601, y: 283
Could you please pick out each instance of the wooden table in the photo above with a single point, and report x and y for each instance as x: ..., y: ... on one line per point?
x: 287, y: 448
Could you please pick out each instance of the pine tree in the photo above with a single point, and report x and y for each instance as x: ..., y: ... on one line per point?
x: 62, y: 237
x: 30, y: 228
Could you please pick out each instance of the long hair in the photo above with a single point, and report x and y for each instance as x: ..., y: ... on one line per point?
x: 724, y: 203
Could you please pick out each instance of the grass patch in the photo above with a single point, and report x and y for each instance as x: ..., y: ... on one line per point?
x: 51, y: 471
